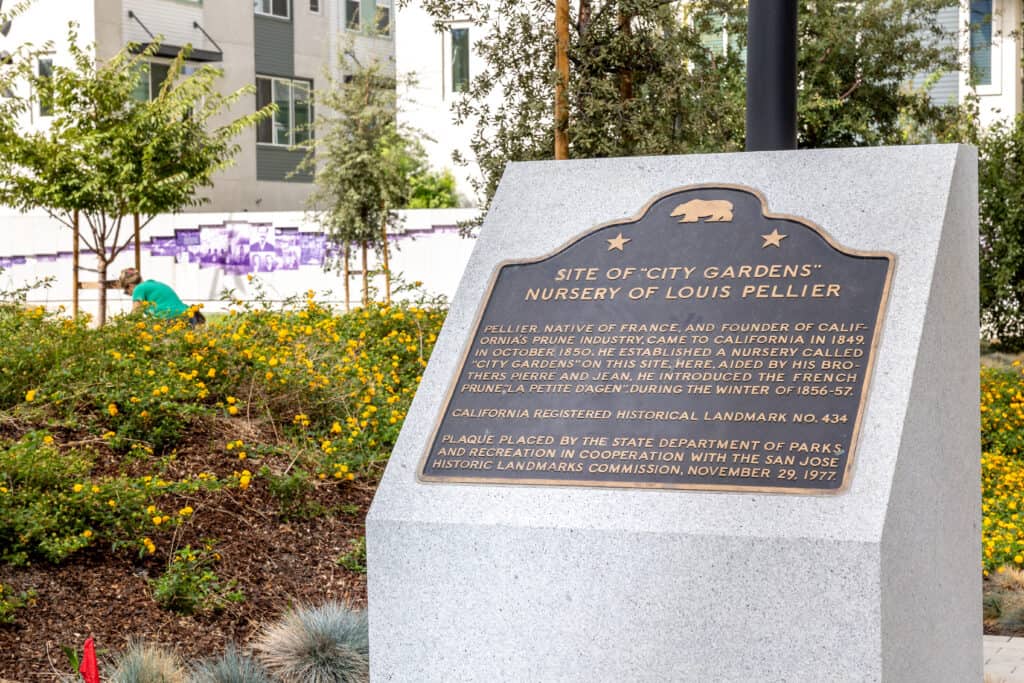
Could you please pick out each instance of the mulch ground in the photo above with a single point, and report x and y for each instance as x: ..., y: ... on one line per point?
x: 277, y: 561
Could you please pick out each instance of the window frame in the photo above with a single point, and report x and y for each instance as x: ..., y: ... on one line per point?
x: 390, y: 5
x: 287, y: 16
x: 450, y: 58
x: 49, y: 111
x: 307, y: 83
x: 357, y: 26
x: 994, y: 87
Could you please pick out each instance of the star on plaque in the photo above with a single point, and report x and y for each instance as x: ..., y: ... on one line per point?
x: 618, y: 242
x: 773, y: 239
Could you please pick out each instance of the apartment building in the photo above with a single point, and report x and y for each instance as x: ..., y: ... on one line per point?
x: 282, y: 48
x: 986, y: 31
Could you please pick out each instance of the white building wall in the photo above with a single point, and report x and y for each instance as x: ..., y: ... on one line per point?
x: 423, y: 53
x: 170, y: 20
x: 1002, y: 99
x: 46, y: 22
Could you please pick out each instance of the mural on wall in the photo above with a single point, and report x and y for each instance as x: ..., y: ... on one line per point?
x: 238, y: 248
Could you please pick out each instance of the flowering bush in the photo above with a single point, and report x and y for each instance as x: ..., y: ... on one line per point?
x: 51, y: 504
x: 1002, y: 468
x: 117, y: 434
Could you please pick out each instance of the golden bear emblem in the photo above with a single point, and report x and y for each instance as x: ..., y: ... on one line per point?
x: 713, y: 210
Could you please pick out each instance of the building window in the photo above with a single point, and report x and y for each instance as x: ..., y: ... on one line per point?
x: 314, y: 6
x: 981, y: 42
x: 368, y: 15
x: 384, y: 17
x: 273, y: 8
x: 292, y: 123
x: 45, y: 94
x: 719, y: 41
x: 460, y: 60
x: 352, y: 21
x: 151, y: 79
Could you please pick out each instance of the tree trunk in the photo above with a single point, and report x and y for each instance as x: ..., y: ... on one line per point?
x: 138, y: 243
x: 626, y: 77
x: 74, y: 268
x: 366, y: 278
x: 101, y: 277
x: 562, y: 84
x: 583, y: 20
x: 387, y: 266
x: 348, y: 298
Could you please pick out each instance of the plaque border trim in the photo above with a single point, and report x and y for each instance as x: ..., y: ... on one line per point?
x: 708, y: 488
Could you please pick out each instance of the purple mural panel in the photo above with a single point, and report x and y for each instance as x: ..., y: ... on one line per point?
x: 263, y: 250
x: 289, y: 250
x: 188, y: 245
x: 163, y: 246
x: 311, y: 248
x: 237, y: 260
x: 213, y: 246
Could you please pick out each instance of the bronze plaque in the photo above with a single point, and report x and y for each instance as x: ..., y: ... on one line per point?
x: 705, y: 344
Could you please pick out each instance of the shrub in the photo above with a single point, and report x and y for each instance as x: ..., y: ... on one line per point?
x: 51, y: 506
x: 11, y: 601
x: 355, y: 558
x: 325, y: 644
x: 144, y: 663
x: 231, y: 667
x: 191, y: 585
x: 1001, y: 227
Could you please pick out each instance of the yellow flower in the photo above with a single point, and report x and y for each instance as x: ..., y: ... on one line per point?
x: 95, y: 489
x: 150, y: 546
x: 232, y: 410
x: 212, y: 372
x: 30, y: 395
x: 151, y: 510
x: 77, y: 488
x: 112, y: 409
x: 185, y: 511
x: 157, y: 520
x: 112, y: 503
x: 48, y: 440
x: 87, y: 534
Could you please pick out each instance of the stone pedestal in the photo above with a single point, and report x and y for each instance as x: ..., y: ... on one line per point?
x: 881, y: 582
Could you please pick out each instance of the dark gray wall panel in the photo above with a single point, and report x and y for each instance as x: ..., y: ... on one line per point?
x: 275, y: 46
x: 276, y: 163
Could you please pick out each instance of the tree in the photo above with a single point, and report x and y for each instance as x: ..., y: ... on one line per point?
x: 662, y: 77
x: 107, y: 156
x: 363, y: 161
x: 432, y: 190
x: 1001, y: 228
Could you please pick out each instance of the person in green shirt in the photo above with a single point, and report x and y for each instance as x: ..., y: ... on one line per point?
x: 154, y: 298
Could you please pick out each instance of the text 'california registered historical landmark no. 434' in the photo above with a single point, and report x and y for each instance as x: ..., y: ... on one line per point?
x: 706, y: 344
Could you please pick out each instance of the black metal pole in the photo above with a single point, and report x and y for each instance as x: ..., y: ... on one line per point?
x: 771, y: 75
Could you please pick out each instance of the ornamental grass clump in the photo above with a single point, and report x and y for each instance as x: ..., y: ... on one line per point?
x: 325, y: 644
x: 231, y: 667
x: 146, y: 663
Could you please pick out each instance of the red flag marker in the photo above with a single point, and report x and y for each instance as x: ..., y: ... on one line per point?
x: 89, y: 669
